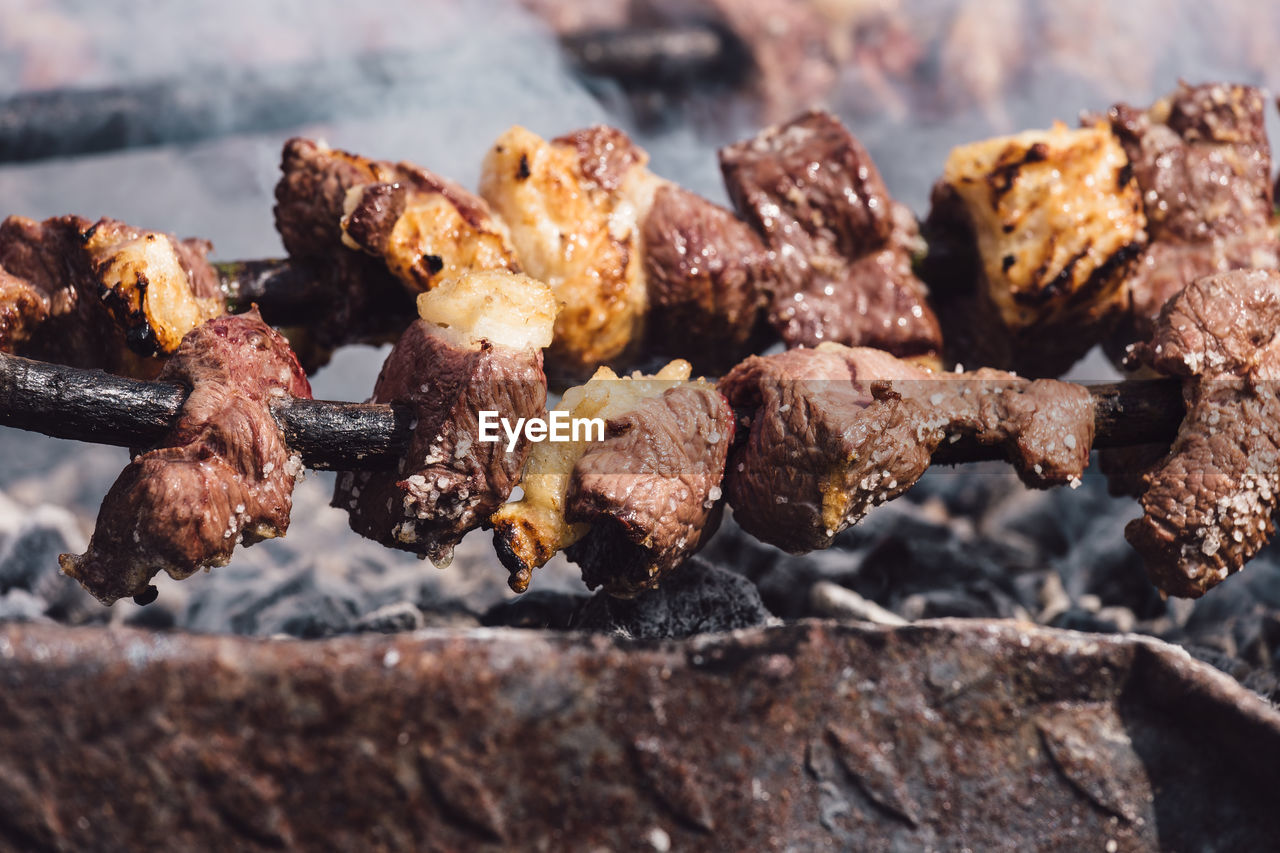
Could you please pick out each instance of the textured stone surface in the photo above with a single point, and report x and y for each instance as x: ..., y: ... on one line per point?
x: 941, y: 735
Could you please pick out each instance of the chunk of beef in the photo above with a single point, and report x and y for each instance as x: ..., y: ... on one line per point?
x: 704, y: 271
x: 528, y: 532
x: 649, y: 490
x: 1203, y: 164
x: 476, y: 347
x: 1208, y: 504
x: 574, y: 207
x: 1031, y: 239
x: 837, y: 430
x: 221, y: 477
x: 840, y: 245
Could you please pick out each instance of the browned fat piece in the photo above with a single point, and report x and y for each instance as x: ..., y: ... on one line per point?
x: 1208, y: 503
x: 574, y: 207
x: 1032, y: 238
x: 834, y: 431
x: 223, y: 476
x: 1201, y: 161
x: 477, y: 346
x: 841, y: 246
x: 102, y: 294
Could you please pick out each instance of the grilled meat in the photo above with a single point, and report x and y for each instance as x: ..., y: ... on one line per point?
x: 705, y: 271
x: 102, y: 295
x: 834, y: 431
x: 840, y: 245
x: 1032, y: 238
x: 223, y: 476
x: 528, y: 532
x: 477, y: 346
x: 574, y: 207
x: 1208, y: 503
x: 1201, y: 160
x: 650, y: 491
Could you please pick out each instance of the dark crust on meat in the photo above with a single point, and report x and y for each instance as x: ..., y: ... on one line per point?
x: 1046, y: 348
x: 833, y: 433
x: 370, y: 222
x: 704, y: 270
x: 1208, y: 504
x: 605, y: 154
x: 646, y: 490
x: 1203, y: 163
x: 450, y: 482
x: 223, y: 474
x: 839, y: 242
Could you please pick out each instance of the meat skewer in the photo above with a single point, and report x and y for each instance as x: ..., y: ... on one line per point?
x: 89, y: 405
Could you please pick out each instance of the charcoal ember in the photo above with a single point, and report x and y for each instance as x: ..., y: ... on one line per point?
x: 305, y: 602
x: 841, y: 245
x: 696, y: 598
x: 390, y: 619
x: 29, y: 562
x: 539, y: 608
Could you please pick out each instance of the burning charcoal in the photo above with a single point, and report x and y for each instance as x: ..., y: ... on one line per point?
x: 31, y: 551
x: 424, y: 228
x: 476, y: 348
x: 539, y: 608
x: 1201, y: 160
x: 636, y: 503
x: 841, y: 246
x: 704, y: 270
x: 837, y: 430
x: 1031, y: 240
x: 1208, y: 504
x: 307, y: 603
x: 104, y: 293
x: 575, y: 207
x: 391, y: 619
x: 697, y: 598
x: 222, y: 476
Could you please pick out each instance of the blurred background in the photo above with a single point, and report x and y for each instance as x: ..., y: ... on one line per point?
x: 172, y: 116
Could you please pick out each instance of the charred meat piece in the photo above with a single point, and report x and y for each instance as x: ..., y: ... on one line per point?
x: 529, y: 531
x: 423, y: 228
x: 1208, y: 504
x: 834, y: 431
x: 1031, y: 240
x: 113, y: 295
x: 477, y: 347
x: 649, y: 490
x: 574, y: 207
x: 704, y: 270
x: 1201, y: 160
x: 840, y: 245
x: 223, y: 476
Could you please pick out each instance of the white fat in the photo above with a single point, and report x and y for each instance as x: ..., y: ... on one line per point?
x: 506, y: 309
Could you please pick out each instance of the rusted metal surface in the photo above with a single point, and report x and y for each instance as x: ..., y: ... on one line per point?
x: 939, y: 735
